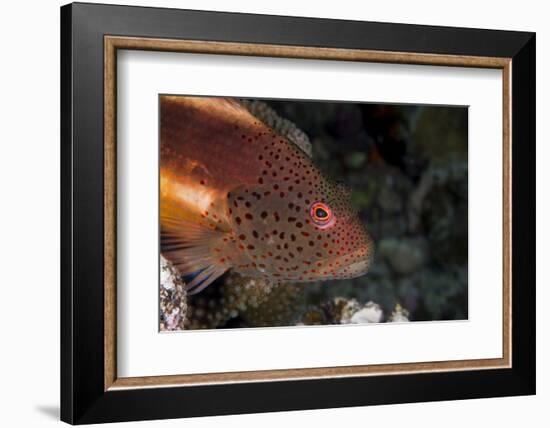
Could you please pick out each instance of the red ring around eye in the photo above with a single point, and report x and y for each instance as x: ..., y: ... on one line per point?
x: 321, y: 214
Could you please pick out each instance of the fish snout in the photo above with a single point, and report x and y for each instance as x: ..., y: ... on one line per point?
x: 358, y: 261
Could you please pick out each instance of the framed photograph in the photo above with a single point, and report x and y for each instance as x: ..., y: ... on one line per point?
x: 267, y: 213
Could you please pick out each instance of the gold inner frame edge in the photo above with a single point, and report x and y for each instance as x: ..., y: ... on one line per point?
x: 113, y: 43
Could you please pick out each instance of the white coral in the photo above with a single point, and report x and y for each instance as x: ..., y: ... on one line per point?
x: 370, y: 313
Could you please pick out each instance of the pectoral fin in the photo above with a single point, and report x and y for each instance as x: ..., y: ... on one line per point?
x: 195, y: 250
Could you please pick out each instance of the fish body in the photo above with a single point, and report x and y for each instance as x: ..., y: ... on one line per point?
x: 235, y: 194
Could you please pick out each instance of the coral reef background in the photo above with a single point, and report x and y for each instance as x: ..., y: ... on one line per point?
x: 407, y: 166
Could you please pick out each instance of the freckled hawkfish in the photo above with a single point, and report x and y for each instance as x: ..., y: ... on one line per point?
x: 237, y: 194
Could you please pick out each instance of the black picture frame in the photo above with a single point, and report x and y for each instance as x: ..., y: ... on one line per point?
x: 83, y: 397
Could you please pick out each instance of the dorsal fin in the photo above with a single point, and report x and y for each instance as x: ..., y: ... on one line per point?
x: 280, y: 125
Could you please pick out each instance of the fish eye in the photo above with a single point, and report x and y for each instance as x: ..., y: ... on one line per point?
x: 321, y: 214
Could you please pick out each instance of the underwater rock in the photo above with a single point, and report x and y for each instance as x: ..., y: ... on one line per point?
x: 355, y: 160
x: 443, y: 293
x: 446, y: 222
x: 407, y: 292
x: 282, y: 307
x: 416, y: 201
x: 346, y: 122
x: 399, y: 314
x: 313, y: 316
x: 440, y: 135
x: 217, y: 305
x: 405, y: 256
x: 340, y: 310
x: 389, y: 200
x: 173, y: 298
x: 343, y: 310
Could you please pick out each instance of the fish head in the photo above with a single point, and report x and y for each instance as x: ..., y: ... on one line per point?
x: 304, y: 232
x: 343, y: 248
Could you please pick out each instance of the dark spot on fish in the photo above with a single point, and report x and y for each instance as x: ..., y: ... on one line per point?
x: 263, y: 214
x: 292, y: 237
x: 260, y: 180
x: 300, y: 249
x: 299, y: 224
x: 242, y: 237
x: 250, y: 247
x: 247, y: 204
x: 248, y: 216
x: 311, y: 243
x: 291, y: 219
x: 282, y: 235
x: 255, y: 234
x: 238, y: 220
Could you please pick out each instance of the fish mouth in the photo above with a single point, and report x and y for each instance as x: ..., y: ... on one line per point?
x: 355, y: 269
x: 358, y: 267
